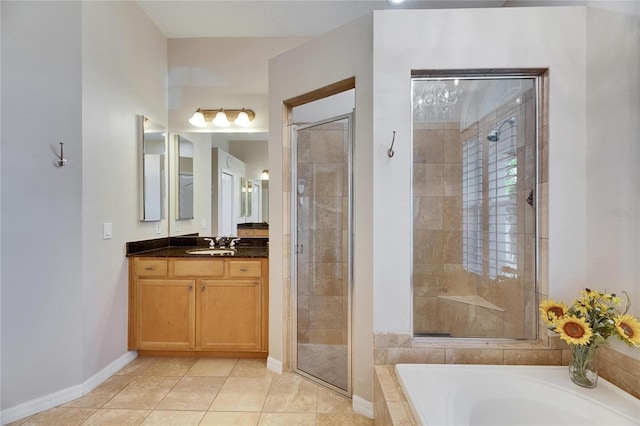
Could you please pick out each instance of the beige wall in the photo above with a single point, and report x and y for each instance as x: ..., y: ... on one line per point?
x: 613, y: 154
x: 85, y: 69
x: 221, y: 72
x: 513, y: 44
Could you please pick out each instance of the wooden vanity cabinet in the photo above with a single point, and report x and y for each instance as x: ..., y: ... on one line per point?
x: 212, y: 307
x: 253, y: 232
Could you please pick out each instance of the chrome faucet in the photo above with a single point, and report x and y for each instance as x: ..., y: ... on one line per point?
x: 212, y: 243
x: 222, y: 242
x: 233, y: 243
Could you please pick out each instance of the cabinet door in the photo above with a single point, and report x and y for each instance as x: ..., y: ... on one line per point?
x: 165, y: 314
x: 229, y: 315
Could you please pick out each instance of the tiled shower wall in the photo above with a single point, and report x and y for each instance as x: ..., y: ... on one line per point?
x: 447, y: 298
x: 322, y: 209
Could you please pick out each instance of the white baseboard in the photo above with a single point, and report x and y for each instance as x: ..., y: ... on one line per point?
x: 63, y: 396
x: 42, y: 403
x: 92, y: 382
x: 362, y: 406
x: 274, y: 365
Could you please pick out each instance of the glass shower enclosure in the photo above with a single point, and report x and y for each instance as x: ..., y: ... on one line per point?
x: 474, y: 206
x: 321, y: 240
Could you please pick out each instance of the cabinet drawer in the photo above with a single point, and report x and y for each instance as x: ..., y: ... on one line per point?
x: 246, y: 233
x: 262, y: 232
x: 245, y: 268
x: 198, y: 268
x: 151, y: 268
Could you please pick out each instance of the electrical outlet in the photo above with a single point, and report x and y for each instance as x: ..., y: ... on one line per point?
x: 177, y: 226
x: 158, y: 228
x: 203, y: 224
x: 106, y: 231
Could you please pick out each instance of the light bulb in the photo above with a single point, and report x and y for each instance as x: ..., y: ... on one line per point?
x: 242, y: 119
x: 265, y: 175
x: 197, y: 119
x: 221, y: 120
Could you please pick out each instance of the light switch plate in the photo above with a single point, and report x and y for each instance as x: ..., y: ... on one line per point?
x: 106, y: 231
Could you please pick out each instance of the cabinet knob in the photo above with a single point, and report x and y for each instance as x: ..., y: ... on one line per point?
x: 190, y: 288
x: 202, y: 287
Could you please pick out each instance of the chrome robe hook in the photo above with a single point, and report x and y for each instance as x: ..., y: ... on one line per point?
x: 61, y: 160
x: 390, y: 150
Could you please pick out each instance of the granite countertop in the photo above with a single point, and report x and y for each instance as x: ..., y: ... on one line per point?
x: 254, y: 225
x: 182, y: 252
x: 178, y: 247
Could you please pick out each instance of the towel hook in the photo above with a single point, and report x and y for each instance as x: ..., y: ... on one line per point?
x: 61, y: 160
x: 390, y: 150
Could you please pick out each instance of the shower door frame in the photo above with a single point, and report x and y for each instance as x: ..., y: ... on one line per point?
x: 293, y: 129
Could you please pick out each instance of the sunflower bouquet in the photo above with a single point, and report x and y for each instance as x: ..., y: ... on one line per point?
x: 592, y: 319
x: 589, y: 322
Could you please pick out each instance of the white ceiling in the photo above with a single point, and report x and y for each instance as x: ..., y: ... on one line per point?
x: 266, y: 18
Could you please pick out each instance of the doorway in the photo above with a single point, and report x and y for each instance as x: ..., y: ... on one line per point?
x: 321, y: 232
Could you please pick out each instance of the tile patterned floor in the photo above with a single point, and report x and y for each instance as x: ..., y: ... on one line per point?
x: 326, y: 361
x: 202, y: 391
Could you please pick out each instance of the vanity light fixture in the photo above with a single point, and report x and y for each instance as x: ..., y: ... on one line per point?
x: 222, y: 117
x: 265, y: 174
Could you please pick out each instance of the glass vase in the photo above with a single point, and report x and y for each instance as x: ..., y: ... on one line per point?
x: 583, y: 368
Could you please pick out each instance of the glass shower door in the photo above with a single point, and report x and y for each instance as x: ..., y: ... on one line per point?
x: 321, y: 238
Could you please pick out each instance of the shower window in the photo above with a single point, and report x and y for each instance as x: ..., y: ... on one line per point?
x: 472, y: 205
x: 503, y: 217
x: 474, y: 228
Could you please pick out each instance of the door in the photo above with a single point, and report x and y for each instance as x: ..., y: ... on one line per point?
x: 226, y: 205
x: 322, y: 239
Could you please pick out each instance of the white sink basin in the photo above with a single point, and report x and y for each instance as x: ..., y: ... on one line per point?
x: 212, y: 252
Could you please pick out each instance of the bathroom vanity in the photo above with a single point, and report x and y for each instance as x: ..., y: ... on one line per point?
x: 182, y: 304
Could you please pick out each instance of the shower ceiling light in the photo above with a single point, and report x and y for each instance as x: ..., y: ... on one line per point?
x: 222, y: 117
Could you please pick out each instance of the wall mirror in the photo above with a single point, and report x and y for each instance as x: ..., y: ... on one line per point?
x: 152, y: 148
x: 185, y: 178
x: 221, y: 165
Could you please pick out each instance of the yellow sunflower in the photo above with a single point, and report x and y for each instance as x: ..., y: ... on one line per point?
x: 574, y: 330
x: 629, y: 329
x: 551, y: 311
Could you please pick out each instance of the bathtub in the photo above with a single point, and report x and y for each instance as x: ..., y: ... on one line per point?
x: 511, y: 395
